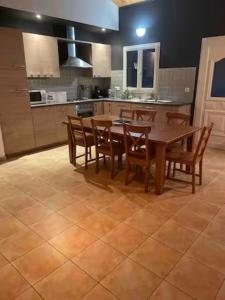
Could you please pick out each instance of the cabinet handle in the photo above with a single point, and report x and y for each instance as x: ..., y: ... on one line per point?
x: 19, y: 66
x: 21, y: 90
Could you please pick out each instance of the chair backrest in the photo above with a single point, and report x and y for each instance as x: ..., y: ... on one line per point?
x: 178, y: 118
x: 102, y: 133
x: 127, y: 114
x: 76, y: 128
x: 202, y: 143
x: 136, y: 140
x: 146, y: 115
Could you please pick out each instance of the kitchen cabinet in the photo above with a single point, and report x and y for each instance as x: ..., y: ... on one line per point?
x: 163, y: 109
x: 48, y: 127
x: 15, y: 112
x: 41, y: 55
x: 11, y: 50
x: 116, y: 107
x: 107, y: 108
x: 98, y: 108
x: 101, y: 60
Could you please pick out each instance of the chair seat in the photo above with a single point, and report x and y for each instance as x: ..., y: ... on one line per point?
x: 182, y: 157
x: 89, y: 140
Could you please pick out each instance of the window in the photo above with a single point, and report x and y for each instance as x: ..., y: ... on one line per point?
x: 140, y: 67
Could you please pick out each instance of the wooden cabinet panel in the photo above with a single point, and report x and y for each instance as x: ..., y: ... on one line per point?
x: 98, y: 108
x: 107, y: 108
x: 11, y: 49
x: 14, y: 101
x: 101, y: 60
x: 41, y: 55
x: 17, y: 129
x: 13, y: 80
x: 116, y: 107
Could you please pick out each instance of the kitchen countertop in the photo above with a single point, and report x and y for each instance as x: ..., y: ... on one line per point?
x: 132, y: 101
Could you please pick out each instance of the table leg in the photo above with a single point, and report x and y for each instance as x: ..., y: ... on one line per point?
x: 70, y: 145
x: 160, y: 168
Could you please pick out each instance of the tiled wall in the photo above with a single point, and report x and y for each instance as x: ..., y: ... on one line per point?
x: 171, y: 85
x: 69, y: 80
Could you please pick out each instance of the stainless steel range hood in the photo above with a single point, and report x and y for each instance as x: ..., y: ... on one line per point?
x: 73, y: 61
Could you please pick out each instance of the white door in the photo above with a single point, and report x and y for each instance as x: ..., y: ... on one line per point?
x: 210, y: 98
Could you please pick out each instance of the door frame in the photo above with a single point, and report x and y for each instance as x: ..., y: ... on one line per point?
x: 203, y: 78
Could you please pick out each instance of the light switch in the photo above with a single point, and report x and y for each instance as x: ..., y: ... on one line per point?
x: 187, y: 90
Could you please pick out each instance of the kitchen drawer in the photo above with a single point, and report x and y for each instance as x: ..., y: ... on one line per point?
x: 116, y: 108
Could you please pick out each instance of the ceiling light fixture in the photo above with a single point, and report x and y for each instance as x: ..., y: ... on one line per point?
x: 140, y: 31
x: 38, y: 16
x: 103, y: 29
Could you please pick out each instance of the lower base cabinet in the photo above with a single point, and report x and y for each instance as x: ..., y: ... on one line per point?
x: 48, y: 126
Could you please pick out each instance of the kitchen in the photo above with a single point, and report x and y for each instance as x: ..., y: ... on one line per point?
x: 105, y: 116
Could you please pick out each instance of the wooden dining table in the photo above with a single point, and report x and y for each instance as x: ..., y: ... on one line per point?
x: 162, y: 135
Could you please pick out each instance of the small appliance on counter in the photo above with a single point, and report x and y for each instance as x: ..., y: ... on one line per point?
x: 84, y: 92
x: 38, y: 97
x: 56, y: 97
x: 100, y: 93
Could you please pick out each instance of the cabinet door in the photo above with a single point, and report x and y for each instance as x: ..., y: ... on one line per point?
x: 101, y: 60
x: 11, y: 49
x: 44, y: 126
x: 98, y: 108
x: 61, y: 112
x: 107, y: 108
x: 41, y: 55
x: 17, y: 130
x: 14, y: 101
x: 50, y: 59
x: 13, y: 80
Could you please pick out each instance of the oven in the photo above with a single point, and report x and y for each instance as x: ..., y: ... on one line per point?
x: 85, y: 109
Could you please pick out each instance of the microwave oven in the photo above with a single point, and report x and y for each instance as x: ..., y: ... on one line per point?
x: 37, y: 96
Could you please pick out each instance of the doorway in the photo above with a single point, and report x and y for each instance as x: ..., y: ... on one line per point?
x: 210, y: 97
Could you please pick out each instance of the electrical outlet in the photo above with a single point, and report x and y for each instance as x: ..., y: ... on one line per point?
x: 187, y: 90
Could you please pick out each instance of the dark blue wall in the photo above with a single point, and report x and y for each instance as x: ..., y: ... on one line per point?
x: 179, y: 25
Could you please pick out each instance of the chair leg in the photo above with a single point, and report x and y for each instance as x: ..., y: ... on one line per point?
x: 90, y: 154
x: 169, y: 169
x: 174, y: 169
x: 200, y: 172
x: 97, y: 162
x: 74, y: 155
x: 127, y: 172
x: 112, y: 166
x: 193, y: 179
x: 146, y: 179
x: 120, y: 161
x: 86, y: 158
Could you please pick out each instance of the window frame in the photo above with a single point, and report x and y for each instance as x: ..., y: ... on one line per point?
x: 140, y: 48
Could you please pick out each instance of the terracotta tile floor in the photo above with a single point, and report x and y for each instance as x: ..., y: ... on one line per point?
x: 67, y: 233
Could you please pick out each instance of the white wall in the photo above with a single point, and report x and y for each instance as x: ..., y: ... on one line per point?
x: 102, y: 13
x: 2, y: 152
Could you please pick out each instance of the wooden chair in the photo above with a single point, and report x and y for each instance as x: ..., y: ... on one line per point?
x: 80, y: 138
x: 127, y: 114
x: 177, y: 118
x: 190, y: 159
x: 104, y: 143
x: 145, y: 115
x: 137, y: 149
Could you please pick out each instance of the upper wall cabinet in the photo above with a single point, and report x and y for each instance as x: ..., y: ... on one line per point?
x: 41, y: 55
x: 11, y: 49
x: 101, y: 60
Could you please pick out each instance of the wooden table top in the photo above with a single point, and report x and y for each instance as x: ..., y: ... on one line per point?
x: 160, y: 133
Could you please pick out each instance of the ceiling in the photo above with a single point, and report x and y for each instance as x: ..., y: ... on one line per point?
x: 126, y: 2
